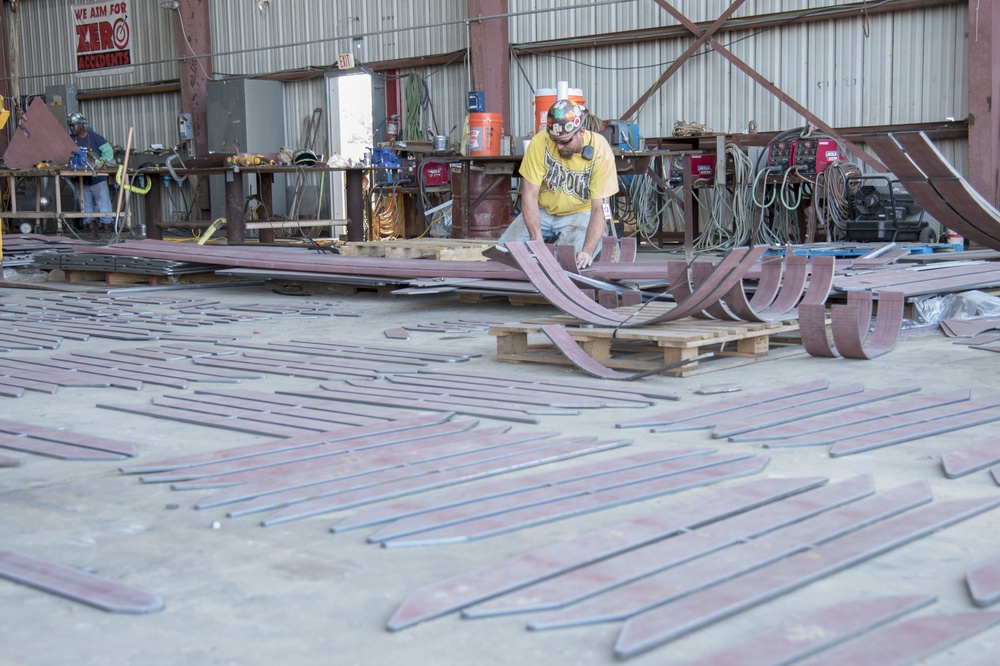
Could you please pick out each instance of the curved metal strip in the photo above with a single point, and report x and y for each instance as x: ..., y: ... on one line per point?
x: 812, y: 330
x: 628, y: 247
x: 848, y: 323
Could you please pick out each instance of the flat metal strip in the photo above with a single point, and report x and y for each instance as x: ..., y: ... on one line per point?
x: 342, y: 364
x: 310, y: 439
x: 390, y: 352
x: 597, y: 483
x: 984, y: 583
x: 391, y: 393
x: 914, y: 431
x: 319, y: 350
x: 612, y: 572
x: 971, y: 458
x: 453, y: 448
x: 301, y: 416
x: 770, y: 407
x: 821, y: 423
x: 430, y: 482
x: 722, y: 406
x: 265, y: 400
x: 58, y: 374
x: 795, y: 414
x: 265, y: 368
x: 265, y: 363
x: 908, y: 642
x: 277, y: 462
x: 525, y: 392
x: 473, y: 397
x: 57, y: 450
x: 420, y: 505
x: 806, y: 635
x: 669, y: 622
x: 489, y: 526
x: 769, y: 551
x: 117, y: 373
x: 161, y: 368
x: 586, y: 387
x: 863, y: 428
x: 995, y: 472
x: 67, y: 437
x: 184, y: 416
x: 76, y: 585
x: 27, y: 382
x: 460, y: 591
x: 375, y: 398
x: 10, y: 461
x: 440, y: 473
x: 11, y: 391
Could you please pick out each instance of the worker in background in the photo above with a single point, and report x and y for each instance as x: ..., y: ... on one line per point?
x: 95, y: 197
x: 568, y: 173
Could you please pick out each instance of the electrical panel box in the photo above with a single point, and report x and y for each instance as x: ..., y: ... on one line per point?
x: 185, y: 129
x: 477, y: 101
x: 245, y: 116
x: 703, y: 166
x: 61, y: 101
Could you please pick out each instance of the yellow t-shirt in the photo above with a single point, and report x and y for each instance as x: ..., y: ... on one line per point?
x: 568, y: 186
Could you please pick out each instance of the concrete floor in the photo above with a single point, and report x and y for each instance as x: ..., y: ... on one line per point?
x: 297, y: 594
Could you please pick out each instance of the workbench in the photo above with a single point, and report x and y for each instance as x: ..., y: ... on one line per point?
x: 56, y: 213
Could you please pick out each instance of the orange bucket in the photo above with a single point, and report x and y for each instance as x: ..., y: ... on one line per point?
x: 545, y: 98
x: 485, y: 132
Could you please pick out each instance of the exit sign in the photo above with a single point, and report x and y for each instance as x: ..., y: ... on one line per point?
x: 345, y: 60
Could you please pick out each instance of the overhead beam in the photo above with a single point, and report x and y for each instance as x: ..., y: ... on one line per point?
x: 774, y: 90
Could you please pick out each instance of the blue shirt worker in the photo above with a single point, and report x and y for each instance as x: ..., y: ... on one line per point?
x: 95, y: 197
x: 568, y: 172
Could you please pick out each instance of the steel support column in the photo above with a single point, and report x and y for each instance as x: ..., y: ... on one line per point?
x: 984, y: 91
x: 192, y: 34
x: 489, y: 45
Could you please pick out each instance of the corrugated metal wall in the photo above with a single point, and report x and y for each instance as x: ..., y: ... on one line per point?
x: 904, y: 67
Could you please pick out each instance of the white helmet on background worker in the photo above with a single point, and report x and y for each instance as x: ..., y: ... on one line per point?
x: 565, y: 118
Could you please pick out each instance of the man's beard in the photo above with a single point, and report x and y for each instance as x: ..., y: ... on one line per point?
x: 565, y: 153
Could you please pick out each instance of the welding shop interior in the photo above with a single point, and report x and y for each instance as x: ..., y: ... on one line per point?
x: 291, y: 402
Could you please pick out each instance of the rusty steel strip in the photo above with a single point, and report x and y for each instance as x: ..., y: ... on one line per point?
x: 525, y: 393
x: 335, y: 494
x: 304, y: 417
x: 11, y: 391
x: 632, y: 565
x: 806, y: 635
x: 278, y: 403
x: 119, y: 377
x: 907, y: 642
x: 227, y: 423
x: 971, y: 458
x: 923, y: 191
x: 340, y: 364
x: 671, y: 621
x: 419, y: 505
x: 69, y: 583
x: 848, y: 321
x: 262, y: 489
x: 395, y: 489
x: 916, y: 279
x: 61, y: 436
x: 618, y: 392
x: 59, y: 450
x: 161, y: 368
x: 290, y: 366
x: 569, y: 348
x: 914, y: 431
x: 798, y: 412
x: 27, y: 380
x: 610, y: 478
x: 461, y: 399
x: 961, y: 328
x: 771, y: 407
x: 984, y: 583
x: 525, y: 517
x: 490, y: 438
x: 952, y: 404
x: 302, y: 422
x: 463, y: 590
x: 371, y: 396
x: 312, y: 439
x: 55, y: 373
x: 519, y: 400
x: 722, y: 406
x: 950, y: 185
x: 10, y: 461
x: 812, y: 331
x: 769, y: 551
x: 818, y: 424
x: 289, y: 461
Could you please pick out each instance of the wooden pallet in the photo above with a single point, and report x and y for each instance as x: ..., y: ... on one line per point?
x: 649, y: 347
x: 453, y: 249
